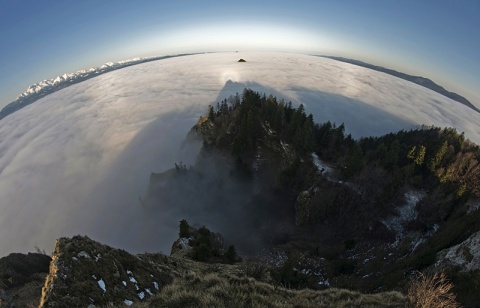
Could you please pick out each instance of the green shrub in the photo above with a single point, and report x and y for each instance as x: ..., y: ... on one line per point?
x: 255, y: 270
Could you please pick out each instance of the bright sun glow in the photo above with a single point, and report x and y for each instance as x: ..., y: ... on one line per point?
x: 229, y: 75
x: 238, y: 37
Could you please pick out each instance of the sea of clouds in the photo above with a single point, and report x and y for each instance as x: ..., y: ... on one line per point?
x: 77, y: 160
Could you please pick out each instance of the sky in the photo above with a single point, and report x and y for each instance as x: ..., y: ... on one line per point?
x: 435, y: 39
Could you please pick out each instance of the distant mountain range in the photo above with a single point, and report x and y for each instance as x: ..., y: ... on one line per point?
x: 45, y: 87
x: 424, y: 82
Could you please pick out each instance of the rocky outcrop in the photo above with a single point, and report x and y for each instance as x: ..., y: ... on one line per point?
x: 465, y: 255
x: 85, y: 273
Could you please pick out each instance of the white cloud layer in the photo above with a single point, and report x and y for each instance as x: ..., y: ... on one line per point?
x: 76, y: 161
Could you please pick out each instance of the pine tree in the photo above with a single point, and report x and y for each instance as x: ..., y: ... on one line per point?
x: 184, y: 229
x: 435, y: 161
x: 230, y: 255
x: 417, y: 154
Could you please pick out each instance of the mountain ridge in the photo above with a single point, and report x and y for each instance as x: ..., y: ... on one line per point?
x: 49, y: 86
x: 422, y: 81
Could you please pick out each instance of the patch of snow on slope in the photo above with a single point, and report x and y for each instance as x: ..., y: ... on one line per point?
x: 183, y: 242
x: 83, y: 254
x: 322, y: 167
x: 128, y: 302
x: 405, y: 214
x: 273, y: 258
x: 101, y: 284
x: 419, y: 241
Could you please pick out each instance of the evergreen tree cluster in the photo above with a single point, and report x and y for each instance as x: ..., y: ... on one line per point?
x: 239, y: 120
x: 440, y: 161
x: 428, y: 157
x: 206, y: 245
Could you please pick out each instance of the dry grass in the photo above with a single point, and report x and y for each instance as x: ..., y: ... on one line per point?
x: 431, y: 291
x: 229, y: 290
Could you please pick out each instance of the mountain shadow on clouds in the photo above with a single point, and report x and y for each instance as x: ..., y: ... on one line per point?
x: 112, y: 211
x: 360, y: 118
x: 232, y: 87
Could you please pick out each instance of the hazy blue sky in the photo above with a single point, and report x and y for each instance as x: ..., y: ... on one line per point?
x: 436, y: 39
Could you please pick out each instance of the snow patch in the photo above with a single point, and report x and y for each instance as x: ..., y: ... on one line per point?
x: 141, y: 295
x: 101, y: 284
x: 324, y: 282
x: 155, y: 284
x: 83, y: 254
x: 127, y: 302
x: 322, y: 167
x: 405, y: 214
x: 273, y: 258
x: 183, y: 242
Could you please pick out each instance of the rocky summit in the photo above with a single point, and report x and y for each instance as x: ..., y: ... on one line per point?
x: 85, y: 273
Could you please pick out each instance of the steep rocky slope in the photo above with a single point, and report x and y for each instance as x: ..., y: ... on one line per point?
x: 85, y: 273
